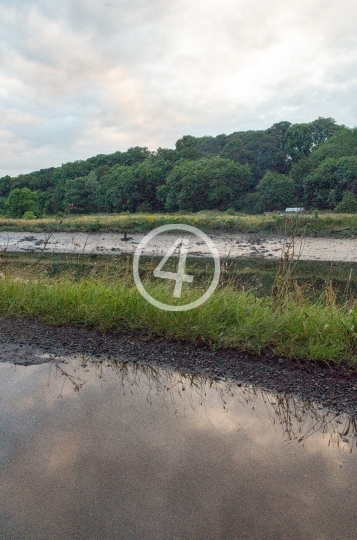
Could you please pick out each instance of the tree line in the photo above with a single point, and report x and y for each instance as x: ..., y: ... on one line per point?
x: 312, y: 165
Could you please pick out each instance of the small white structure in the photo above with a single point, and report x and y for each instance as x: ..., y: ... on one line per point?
x: 294, y: 210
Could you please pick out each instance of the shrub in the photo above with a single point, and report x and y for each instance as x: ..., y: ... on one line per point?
x: 348, y: 204
x: 29, y: 215
x: 21, y: 201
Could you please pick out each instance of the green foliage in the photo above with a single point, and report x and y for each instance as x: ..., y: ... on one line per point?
x: 276, y: 192
x: 259, y: 149
x: 144, y: 208
x: 21, y: 201
x: 29, y: 215
x: 252, y: 203
x: 348, y: 204
x: 204, y: 184
x: 2, y: 204
x: 280, y: 132
x: 118, y: 195
x: 188, y: 177
x: 134, y: 155
x: 166, y: 154
x: 127, y: 188
x: 188, y: 147
x: 342, y: 144
x: 80, y: 194
x: 5, y: 186
x: 302, y: 138
x: 324, y: 186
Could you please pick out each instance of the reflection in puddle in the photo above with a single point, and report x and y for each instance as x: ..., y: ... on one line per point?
x: 116, y: 450
x: 298, y: 420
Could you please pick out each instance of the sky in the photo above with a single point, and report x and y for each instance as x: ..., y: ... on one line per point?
x: 84, y: 77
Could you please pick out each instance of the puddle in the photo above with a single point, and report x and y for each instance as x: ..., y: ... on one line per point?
x: 114, y: 450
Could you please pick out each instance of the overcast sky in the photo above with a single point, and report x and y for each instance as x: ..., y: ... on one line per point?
x: 83, y: 77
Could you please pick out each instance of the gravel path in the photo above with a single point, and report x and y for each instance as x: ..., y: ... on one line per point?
x: 28, y: 341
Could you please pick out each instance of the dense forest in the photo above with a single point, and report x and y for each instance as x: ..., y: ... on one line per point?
x: 312, y: 165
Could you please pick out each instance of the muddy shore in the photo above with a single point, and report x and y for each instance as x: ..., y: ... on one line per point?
x: 228, y: 246
x: 28, y: 341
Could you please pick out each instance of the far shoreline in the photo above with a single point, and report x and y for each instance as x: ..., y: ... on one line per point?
x: 311, y: 224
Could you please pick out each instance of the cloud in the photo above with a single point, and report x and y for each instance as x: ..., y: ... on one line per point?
x: 81, y: 78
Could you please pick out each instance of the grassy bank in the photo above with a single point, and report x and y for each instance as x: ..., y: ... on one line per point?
x: 288, y: 321
x: 334, y: 225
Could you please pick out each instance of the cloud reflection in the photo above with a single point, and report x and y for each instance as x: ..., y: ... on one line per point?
x: 141, y: 452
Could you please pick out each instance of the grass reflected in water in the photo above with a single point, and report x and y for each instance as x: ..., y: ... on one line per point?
x: 297, y: 420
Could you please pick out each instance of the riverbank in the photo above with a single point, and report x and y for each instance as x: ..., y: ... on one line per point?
x: 314, y: 224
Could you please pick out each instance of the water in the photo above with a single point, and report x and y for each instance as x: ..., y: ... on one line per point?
x: 235, y: 245
x: 118, y: 451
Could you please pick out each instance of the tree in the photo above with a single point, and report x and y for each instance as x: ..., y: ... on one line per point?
x: 51, y: 201
x: 137, y: 154
x: 342, y: 144
x: 80, y: 194
x: 212, y: 183
x: 5, y: 185
x: 279, y: 131
x: 149, y: 175
x: 252, y: 203
x: 276, y: 192
x: 212, y: 146
x: 302, y: 138
x: 127, y: 188
x: 166, y: 154
x: 323, y: 129
x: 2, y: 204
x: 119, y: 193
x: 348, y: 204
x: 20, y: 201
x: 188, y: 147
x: 258, y: 149
x: 324, y: 186
x: 141, y: 179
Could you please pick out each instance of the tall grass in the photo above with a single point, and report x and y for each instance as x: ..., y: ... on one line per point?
x: 295, y: 327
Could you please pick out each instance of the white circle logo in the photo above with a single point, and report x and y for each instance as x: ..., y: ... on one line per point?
x: 179, y: 277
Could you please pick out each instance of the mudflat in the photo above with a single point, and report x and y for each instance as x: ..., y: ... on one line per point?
x: 232, y: 246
